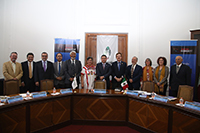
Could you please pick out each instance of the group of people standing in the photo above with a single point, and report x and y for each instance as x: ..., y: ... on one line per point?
x: 30, y: 73
x: 180, y: 74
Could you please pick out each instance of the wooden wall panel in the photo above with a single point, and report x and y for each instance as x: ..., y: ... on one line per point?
x: 157, y: 119
x: 99, y: 109
x: 41, y: 115
x: 123, y: 47
x: 13, y: 121
x: 185, y: 124
x: 61, y: 110
x: 138, y: 113
x: 79, y: 108
x: 151, y: 117
x: 47, y: 113
x: 90, y: 48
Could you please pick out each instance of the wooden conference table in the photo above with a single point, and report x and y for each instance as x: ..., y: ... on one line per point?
x: 52, y: 112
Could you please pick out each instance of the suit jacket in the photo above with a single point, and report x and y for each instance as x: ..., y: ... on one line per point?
x: 137, y: 74
x: 40, y: 74
x: 62, y: 73
x: 104, y: 72
x: 69, y: 73
x: 183, y: 77
x: 25, y: 69
x: 9, y: 73
x: 118, y: 73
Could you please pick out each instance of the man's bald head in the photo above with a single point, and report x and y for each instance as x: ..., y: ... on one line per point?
x: 179, y: 60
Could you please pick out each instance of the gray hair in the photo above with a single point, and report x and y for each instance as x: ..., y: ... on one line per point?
x: 13, y: 53
x: 135, y: 57
x: 72, y: 52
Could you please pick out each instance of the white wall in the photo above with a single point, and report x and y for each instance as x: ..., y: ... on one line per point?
x: 32, y: 25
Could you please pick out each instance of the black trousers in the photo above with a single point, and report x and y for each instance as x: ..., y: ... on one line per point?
x: 173, y: 93
x: 116, y: 84
x: 60, y: 86
x: 29, y: 86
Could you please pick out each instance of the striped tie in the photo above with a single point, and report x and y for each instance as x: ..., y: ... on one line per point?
x: 132, y: 70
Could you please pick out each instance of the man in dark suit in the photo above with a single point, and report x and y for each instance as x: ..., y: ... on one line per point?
x: 73, y: 69
x: 43, y: 70
x: 180, y: 74
x: 103, y: 70
x: 133, y: 74
x: 118, y: 71
x: 59, y: 73
x: 28, y: 67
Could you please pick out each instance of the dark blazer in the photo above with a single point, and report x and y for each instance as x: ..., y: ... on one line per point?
x: 40, y: 74
x: 62, y: 73
x: 25, y: 69
x: 137, y: 74
x: 116, y: 72
x: 29, y: 83
x: 69, y: 73
x: 183, y: 77
x: 104, y: 72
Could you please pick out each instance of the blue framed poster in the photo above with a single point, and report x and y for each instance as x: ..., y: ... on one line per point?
x: 65, y: 46
x: 187, y: 49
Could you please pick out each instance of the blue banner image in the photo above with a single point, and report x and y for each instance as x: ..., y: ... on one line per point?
x: 65, y: 46
x: 187, y: 49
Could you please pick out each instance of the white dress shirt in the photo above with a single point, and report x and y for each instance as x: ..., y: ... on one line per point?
x: 58, y: 65
x: 179, y: 65
x: 31, y: 66
x: 14, y: 66
x: 73, y: 61
x: 45, y: 64
x: 133, y: 66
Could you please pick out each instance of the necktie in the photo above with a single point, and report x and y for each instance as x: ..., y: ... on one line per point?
x: 44, y: 67
x: 73, y: 63
x: 30, y: 70
x: 59, y: 69
x: 118, y: 66
x: 73, y: 66
x: 14, y: 67
x: 177, y: 69
x: 132, y: 70
x: 103, y: 66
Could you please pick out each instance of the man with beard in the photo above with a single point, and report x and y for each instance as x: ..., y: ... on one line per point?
x: 73, y: 69
x: 13, y: 69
